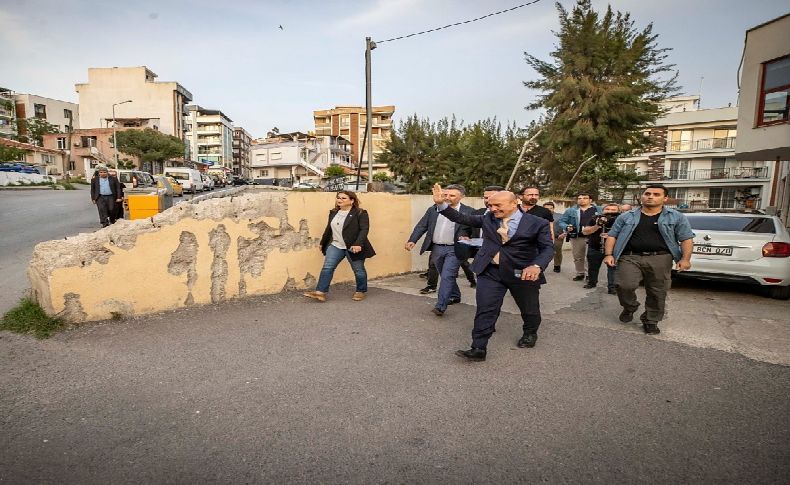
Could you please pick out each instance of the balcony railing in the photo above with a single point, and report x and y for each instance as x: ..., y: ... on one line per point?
x: 717, y: 173
x: 702, y: 144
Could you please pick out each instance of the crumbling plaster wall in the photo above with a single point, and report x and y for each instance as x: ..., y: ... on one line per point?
x: 251, y: 243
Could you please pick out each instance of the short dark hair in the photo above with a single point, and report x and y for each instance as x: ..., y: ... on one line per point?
x: 657, y: 186
x: 584, y: 193
x: 549, y: 203
x: 494, y: 188
x: 612, y: 204
x: 458, y: 187
x: 524, y: 189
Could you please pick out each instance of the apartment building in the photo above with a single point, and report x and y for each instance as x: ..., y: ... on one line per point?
x: 136, y: 97
x: 764, y: 114
x: 694, y: 157
x: 89, y: 147
x: 209, y: 137
x: 290, y: 158
x: 349, y: 122
x: 7, y: 113
x: 241, y: 152
x: 62, y: 114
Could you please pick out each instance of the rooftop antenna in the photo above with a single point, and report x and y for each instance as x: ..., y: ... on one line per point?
x: 699, y: 93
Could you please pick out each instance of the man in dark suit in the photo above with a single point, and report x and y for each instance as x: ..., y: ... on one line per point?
x: 516, y: 248
x: 441, y: 236
x: 105, y: 193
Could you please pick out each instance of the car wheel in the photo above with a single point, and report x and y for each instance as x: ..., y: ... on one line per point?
x: 778, y: 292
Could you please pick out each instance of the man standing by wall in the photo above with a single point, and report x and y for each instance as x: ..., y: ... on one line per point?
x: 642, y: 244
x: 571, y: 223
x: 441, y: 234
x: 105, y: 193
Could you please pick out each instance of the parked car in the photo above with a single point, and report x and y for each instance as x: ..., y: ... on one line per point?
x: 178, y: 189
x: 743, y: 247
x: 305, y: 185
x: 17, y: 167
x: 135, y: 178
x: 218, y: 181
x: 239, y: 181
x: 264, y: 182
x: 189, y: 178
x: 208, y: 183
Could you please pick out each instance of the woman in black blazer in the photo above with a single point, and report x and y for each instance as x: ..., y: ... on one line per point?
x: 345, y: 236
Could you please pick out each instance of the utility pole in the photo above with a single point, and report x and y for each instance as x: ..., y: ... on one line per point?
x: 521, y: 158
x: 114, y: 141
x: 369, y: 46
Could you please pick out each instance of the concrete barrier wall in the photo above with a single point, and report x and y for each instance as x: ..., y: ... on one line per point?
x: 251, y: 243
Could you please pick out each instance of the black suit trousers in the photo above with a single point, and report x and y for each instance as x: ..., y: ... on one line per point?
x: 492, y: 284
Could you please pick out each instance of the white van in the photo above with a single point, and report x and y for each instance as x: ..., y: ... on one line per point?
x: 189, y: 178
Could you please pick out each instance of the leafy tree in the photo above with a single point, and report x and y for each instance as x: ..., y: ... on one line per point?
x: 600, y: 92
x: 381, y: 177
x: 149, y: 145
x: 35, y: 129
x: 11, y: 154
x: 410, y: 153
x: 126, y: 164
x: 334, y: 171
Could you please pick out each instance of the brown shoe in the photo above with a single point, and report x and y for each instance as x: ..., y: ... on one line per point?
x: 358, y: 296
x: 316, y: 295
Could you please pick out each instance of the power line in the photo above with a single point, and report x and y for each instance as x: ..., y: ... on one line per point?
x: 460, y: 23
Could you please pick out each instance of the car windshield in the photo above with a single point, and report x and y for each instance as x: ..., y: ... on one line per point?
x: 760, y: 225
x: 180, y: 176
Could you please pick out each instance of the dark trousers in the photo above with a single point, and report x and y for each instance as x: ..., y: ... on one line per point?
x: 558, y: 241
x: 106, y: 206
x: 594, y: 261
x: 433, y: 273
x: 447, y: 264
x: 492, y: 284
x: 656, y: 271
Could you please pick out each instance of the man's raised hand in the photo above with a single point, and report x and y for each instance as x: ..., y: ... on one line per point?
x: 438, y: 195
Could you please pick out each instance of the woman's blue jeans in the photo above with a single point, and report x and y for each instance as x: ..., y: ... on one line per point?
x: 333, y: 257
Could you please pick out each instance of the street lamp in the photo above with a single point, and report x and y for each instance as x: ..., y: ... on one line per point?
x: 114, y: 141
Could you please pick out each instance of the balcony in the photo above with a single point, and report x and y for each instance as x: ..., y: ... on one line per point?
x: 702, y: 145
x: 718, y: 173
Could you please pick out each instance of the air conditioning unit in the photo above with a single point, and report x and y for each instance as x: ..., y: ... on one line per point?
x: 76, y: 144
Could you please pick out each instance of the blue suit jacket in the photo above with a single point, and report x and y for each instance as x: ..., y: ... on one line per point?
x: 531, y: 244
x: 427, y: 224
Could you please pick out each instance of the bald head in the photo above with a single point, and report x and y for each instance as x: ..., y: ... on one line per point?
x: 503, y: 204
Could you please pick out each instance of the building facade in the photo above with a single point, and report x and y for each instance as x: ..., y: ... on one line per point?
x: 349, y: 122
x: 241, y: 152
x: 89, y: 147
x: 47, y: 161
x: 209, y: 137
x: 694, y: 157
x: 161, y: 105
x: 764, y: 111
x: 290, y: 158
x: 7, y: 113
x: 62, y: 114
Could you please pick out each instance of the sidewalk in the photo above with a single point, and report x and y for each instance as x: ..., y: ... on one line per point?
x: 284, y: 389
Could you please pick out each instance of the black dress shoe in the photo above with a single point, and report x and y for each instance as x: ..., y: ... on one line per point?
x: 612, y: 291
x: 424, y: 275
x: 453, y: 301
x: 437, y: 312
x: 428, y: 289
x: 556, y: 269
x: 651, y: 328
x: 527, y: 341
x: 578, y: 277
x: 473, y: 354
x: 589, y: 285
x: 626, y: 316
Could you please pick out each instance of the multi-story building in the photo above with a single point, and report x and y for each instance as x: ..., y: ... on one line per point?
x: 290, y: 158
x: 349, y: 122
x: 241, y: 152
x: 62, y: 114
x: 209, y: 137
x: 764, y: 112
x: 7, y: 113
x: 694, y: 157
x: 89, y: 147
x: 158, y: 105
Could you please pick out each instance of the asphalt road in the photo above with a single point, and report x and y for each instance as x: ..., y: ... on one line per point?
x: 28, y: 217
x: 282, y: 389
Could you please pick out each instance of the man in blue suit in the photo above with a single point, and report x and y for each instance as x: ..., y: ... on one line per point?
x: 516, y: 248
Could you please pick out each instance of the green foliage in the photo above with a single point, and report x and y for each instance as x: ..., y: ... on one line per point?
x: 66, y: 184
x: 11, y: 154
x: 149, y: 145
x: 421, y: 153
x: 35, y: 129
x: 29, y: 317
x: 79, y: 180
x: 381, y: 177
x: 334, y: 171
x: 126, y: 164
x: 600, y: 92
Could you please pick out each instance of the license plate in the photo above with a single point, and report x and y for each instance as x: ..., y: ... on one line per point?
x: 717, y: 250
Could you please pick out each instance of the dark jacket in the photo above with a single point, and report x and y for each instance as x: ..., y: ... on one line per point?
x: 427, y: 224
x: 115, y: 186
x: 355, y: 233
x: 531, y: 244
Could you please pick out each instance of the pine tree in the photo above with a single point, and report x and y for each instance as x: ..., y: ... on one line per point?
x: 600, y: 92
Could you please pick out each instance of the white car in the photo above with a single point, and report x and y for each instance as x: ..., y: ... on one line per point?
x: 208, y: 183
x: 305, y: 185
x: 743, y: 247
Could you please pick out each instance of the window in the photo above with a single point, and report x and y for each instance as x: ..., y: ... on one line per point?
x: 264, y: 173
x: 775, y: 92
x: 722, y: 198
x: 760, y: 225
x: 680, y: 140
x: 72, y: 165
x: 61, y: 143
x: 88, y: 141
x: 678, y: 169
x: 679, y: 193
x: 67, y: 113
x: 40, y: 111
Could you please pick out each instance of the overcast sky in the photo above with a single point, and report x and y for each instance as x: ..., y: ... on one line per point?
x: 232, y: 56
